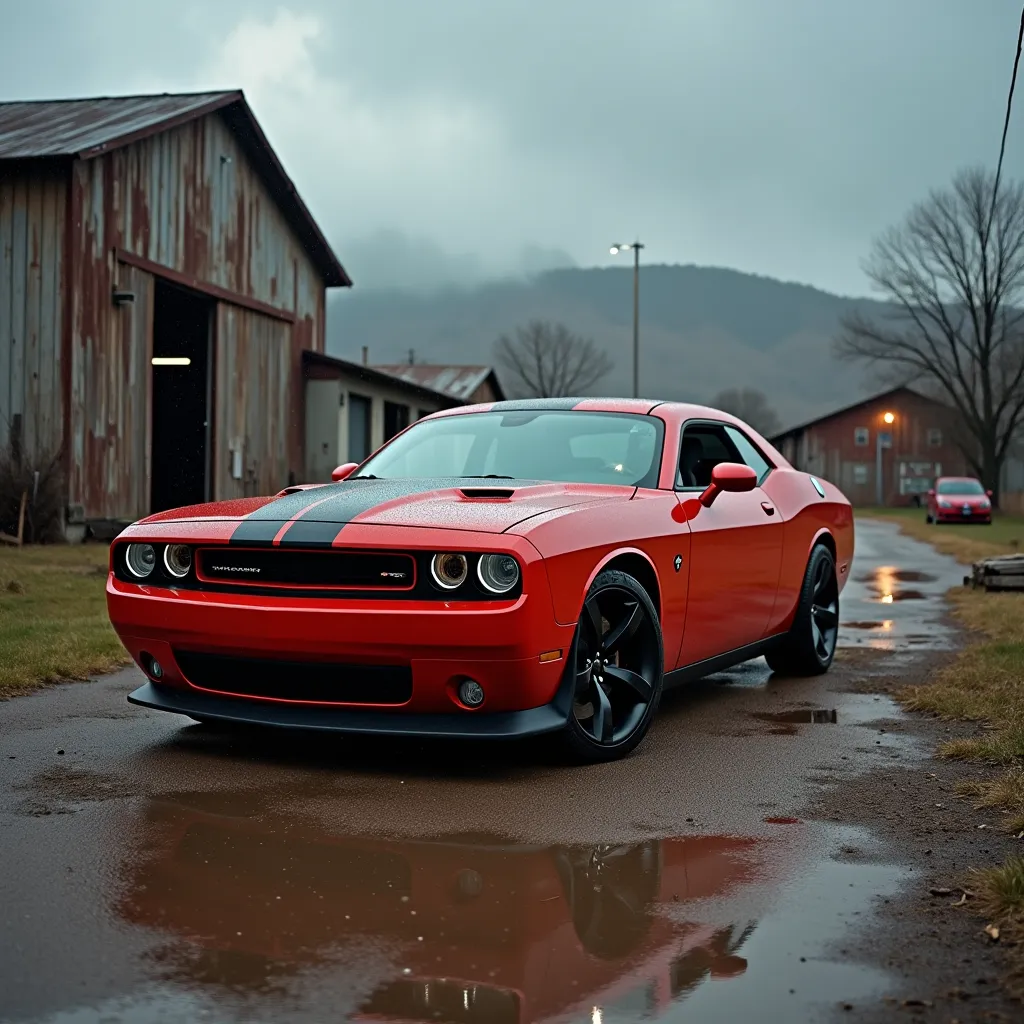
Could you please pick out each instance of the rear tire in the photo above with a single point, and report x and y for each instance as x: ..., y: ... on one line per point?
x: 616, y: 671
x: 810, y: 645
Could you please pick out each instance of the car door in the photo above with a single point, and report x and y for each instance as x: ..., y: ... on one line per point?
x: 735, y: 545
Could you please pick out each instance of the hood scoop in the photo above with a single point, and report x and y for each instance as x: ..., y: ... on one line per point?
x: 487, y: 492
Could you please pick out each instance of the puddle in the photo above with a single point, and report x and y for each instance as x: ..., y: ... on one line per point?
x: 266, y: 917
x: 883, y: 624
x: 901, y: 595
x: 896, y: 575
x: 802, y: 716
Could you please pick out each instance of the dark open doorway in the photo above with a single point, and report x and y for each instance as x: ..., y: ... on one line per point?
x: 181, y: 398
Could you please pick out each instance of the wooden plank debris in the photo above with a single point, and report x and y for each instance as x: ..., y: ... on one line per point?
x: 1001, y: 572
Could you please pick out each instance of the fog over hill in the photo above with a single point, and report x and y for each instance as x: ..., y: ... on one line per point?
x: 702, y: 330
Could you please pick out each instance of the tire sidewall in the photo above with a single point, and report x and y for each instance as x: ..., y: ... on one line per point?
x: 818, y: 554
x: 579, y: 741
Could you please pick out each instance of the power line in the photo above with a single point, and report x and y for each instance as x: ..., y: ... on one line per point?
x: 1006, y: 121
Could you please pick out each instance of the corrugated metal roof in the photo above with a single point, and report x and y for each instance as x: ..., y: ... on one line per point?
x: 47, y: 128
x: 85, y: 128
x: 458, y: 381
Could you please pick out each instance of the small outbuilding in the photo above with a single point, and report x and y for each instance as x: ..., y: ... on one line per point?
x: 160, y: 282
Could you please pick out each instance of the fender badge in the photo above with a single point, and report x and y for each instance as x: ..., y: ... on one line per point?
x: 678, y: 562
x: 818, y: 487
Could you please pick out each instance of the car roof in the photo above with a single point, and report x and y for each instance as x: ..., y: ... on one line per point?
x: 641, y: 406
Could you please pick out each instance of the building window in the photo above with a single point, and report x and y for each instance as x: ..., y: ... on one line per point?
x: 396, y: 419
x: 860, y: 436
x: 934, y: 437
x: 359, y: 413
x: 860, y: 473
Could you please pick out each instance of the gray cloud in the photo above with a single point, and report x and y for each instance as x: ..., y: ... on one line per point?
x: 771, y: 137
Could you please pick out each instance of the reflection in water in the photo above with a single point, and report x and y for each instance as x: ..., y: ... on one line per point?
x: 460, y: 930
x: 886, y: 579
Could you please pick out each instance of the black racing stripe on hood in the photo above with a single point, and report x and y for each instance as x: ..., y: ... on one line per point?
x: 260, y: 527
x: 354, y: 498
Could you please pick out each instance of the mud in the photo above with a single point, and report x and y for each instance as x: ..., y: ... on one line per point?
x: 766, y: 855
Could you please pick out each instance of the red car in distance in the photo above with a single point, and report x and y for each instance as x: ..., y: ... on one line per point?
x: 494, y: 571
x: 959, y: 499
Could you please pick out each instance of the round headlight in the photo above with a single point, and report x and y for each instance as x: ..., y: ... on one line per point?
x: 178, y: 559
x: 140, y: 559
x: 498, y: 573
x: 449, y: 571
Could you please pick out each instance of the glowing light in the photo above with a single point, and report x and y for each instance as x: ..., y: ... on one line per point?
x: 889, y: 417
x: 618, y: 468
x: 614, y: 250
x: 886, y: 599
x: 596, y: 1016
x: 171, y: 361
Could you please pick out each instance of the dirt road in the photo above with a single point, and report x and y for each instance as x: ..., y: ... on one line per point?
x: 747, y: 863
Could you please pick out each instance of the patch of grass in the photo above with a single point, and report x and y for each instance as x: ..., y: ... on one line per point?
x: 966, y: 542
x: 1000, y: 891
x: 53, y: 616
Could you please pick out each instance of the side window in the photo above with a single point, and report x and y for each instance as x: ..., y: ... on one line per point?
x: 704, y: 446
x: 750, y: 455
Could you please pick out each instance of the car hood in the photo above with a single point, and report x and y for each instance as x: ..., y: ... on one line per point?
x: 478, y: 505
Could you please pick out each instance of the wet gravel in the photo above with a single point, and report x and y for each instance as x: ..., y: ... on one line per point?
x: 768, y: 854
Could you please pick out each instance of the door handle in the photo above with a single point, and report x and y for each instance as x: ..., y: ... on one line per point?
x: 769, y: 509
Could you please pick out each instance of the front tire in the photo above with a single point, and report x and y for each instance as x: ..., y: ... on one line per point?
x: 810, y: 645
x: 616, y: 672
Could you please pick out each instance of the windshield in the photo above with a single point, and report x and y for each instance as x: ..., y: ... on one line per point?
x: 574, y: 447
x: 960, y: 487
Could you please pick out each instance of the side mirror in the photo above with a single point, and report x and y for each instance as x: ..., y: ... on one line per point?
x: 931, y: 492
x: 345, y: 470
x: 728, y: 476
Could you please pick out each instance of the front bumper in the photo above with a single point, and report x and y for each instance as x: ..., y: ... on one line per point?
x: 439, y: 643
x: 956, y: 515
x: 459, y: 725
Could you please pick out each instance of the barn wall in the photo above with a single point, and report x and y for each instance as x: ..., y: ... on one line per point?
x: 251, y: 398
x: 922, y: 447
x: 188, y: 200
x: 32, y: 227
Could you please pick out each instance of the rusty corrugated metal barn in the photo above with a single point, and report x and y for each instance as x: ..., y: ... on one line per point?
x: 160, y: 278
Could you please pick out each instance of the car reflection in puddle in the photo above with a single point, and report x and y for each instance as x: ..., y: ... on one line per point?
x: 461, y: 929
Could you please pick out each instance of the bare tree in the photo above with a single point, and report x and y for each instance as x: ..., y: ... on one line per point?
x: 547, y: 360
x: 751, y: 406
x: 952, y: 275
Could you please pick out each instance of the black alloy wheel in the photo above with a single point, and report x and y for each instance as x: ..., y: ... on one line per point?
x: 617, y: 669
x: 810, y: 645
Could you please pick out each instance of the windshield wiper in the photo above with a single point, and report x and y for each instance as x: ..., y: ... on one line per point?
x: 487, y: 476
x: 364, y: 476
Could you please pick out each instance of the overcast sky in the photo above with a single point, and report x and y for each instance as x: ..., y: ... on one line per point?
x: 453, y: 139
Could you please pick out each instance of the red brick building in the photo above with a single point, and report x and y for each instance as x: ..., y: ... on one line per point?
x: 843, y: 447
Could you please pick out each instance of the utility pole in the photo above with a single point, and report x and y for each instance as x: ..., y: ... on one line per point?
x: 636, y: 247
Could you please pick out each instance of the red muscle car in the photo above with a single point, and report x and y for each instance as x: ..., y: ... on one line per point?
x: 503, y: 570
x: 959, y: 499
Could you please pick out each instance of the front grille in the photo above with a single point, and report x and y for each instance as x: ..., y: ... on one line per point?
x: 325, y: 682
x: 269, y: 567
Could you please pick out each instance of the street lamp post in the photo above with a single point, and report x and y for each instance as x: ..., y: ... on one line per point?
x: 888, y: 418
x: 615, y: 250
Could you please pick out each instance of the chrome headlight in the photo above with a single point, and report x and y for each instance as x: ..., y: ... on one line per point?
x: 178, y: 559
x: 140, y: 559
x: 449, y: 570
x: 498, y: 573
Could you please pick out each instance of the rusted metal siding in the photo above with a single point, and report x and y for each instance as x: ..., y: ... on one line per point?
x: 32, y: 210
x: 251, y: 399
x: 110, y: 415
x: 187, y: 200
